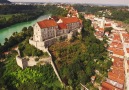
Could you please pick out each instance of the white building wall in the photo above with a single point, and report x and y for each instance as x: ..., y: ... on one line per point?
x: 118, y: 56
x: 19, y: 61
x: 59, y: 21
x: 39, y: 45
x: 37, y: 33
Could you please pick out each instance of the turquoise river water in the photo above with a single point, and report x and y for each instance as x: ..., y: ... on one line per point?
x: 8, y: 31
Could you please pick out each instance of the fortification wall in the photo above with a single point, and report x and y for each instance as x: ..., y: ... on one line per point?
x: 19, y: 61
x: 39, y: 45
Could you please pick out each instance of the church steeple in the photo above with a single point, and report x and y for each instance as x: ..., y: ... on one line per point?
x: 102, y: 25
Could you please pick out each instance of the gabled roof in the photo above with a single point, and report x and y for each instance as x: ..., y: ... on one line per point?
x: 108, y: 25
x: 118, y: 77
x: 126, y: 37
x: 107, y: 86
x: 47, y: 23
x: 62, y: 26
x: 68, y: 20
x: 127, y: 49
x: 116, y: 51
x: 116, y: 45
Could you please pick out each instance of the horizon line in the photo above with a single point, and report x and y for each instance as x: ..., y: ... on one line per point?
x: 72, y: 3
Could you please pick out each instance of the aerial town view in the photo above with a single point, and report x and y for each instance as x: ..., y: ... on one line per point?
x: 64, y: 45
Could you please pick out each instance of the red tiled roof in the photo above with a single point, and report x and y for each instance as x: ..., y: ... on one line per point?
x: 126, y: 37
x: 100, y: 29
x: 127, y: 49
x: 116, y: 51
x: 118, y: 70
x: 117, y: 37
x: 117, y: 58
x: 47, y: 23
x: 116, y: 77
x: 62, y: 26
x: 108, y: 24
x: 98, y: 33
x: 70, y: 20
x: 107, y: 86
x: 128, y: 62
x: 116, y: 45
x: 118, y: 63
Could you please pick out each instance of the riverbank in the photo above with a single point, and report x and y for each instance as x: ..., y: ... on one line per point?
x: 7, y: 32
x: 11, y: 19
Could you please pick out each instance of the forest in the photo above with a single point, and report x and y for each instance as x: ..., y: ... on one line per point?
x: 119, y: 13
x: 78, y: 59
x: 24, y: 13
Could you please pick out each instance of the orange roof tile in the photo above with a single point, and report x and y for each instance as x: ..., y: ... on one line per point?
x: 108, y: 24
x: 116, y: 45
x: 101, y: 29
x: 126, y: 37
x: 68, y: 20
x: 47, y: 23
x: 116, y: 37
x: 127, y: 49
x: 118, y: 62
x: 62, y: 26
x: 107, y: 86
x: 117, y: 58
x: 116, y: 51
x: 116, y: 77
x: 128, y: 62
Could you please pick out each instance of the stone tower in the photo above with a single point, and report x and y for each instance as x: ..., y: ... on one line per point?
x: 102, y: 25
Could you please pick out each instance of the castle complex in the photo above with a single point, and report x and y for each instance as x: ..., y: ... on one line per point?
x: 48, y: 31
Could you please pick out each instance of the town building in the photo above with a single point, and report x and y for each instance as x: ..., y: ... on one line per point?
x: 48, y: 31
x: 118, y: 75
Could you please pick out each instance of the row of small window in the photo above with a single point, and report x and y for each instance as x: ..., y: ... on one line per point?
x: 48, y: 35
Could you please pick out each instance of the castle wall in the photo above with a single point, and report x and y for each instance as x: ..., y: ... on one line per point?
x: 19, y: 61
x: 61, y: 32
x: 37, y: 33
x: 39, y: 45
x: 46, y: 43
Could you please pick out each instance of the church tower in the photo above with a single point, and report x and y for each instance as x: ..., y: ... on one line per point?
x: 102, y: 24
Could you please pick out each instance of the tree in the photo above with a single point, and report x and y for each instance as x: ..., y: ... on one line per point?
x: 108, y: 29
x: 24, y: 29
x: 6, y: 39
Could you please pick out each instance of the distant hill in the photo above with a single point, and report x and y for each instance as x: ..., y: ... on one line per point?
x: 4, y: 1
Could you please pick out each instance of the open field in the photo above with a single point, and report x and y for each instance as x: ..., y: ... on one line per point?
x: 7, y: 16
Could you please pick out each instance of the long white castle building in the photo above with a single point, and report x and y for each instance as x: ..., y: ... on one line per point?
x: 46, y: 32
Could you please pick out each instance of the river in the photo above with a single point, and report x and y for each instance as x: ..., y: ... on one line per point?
x: 7, y: 32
